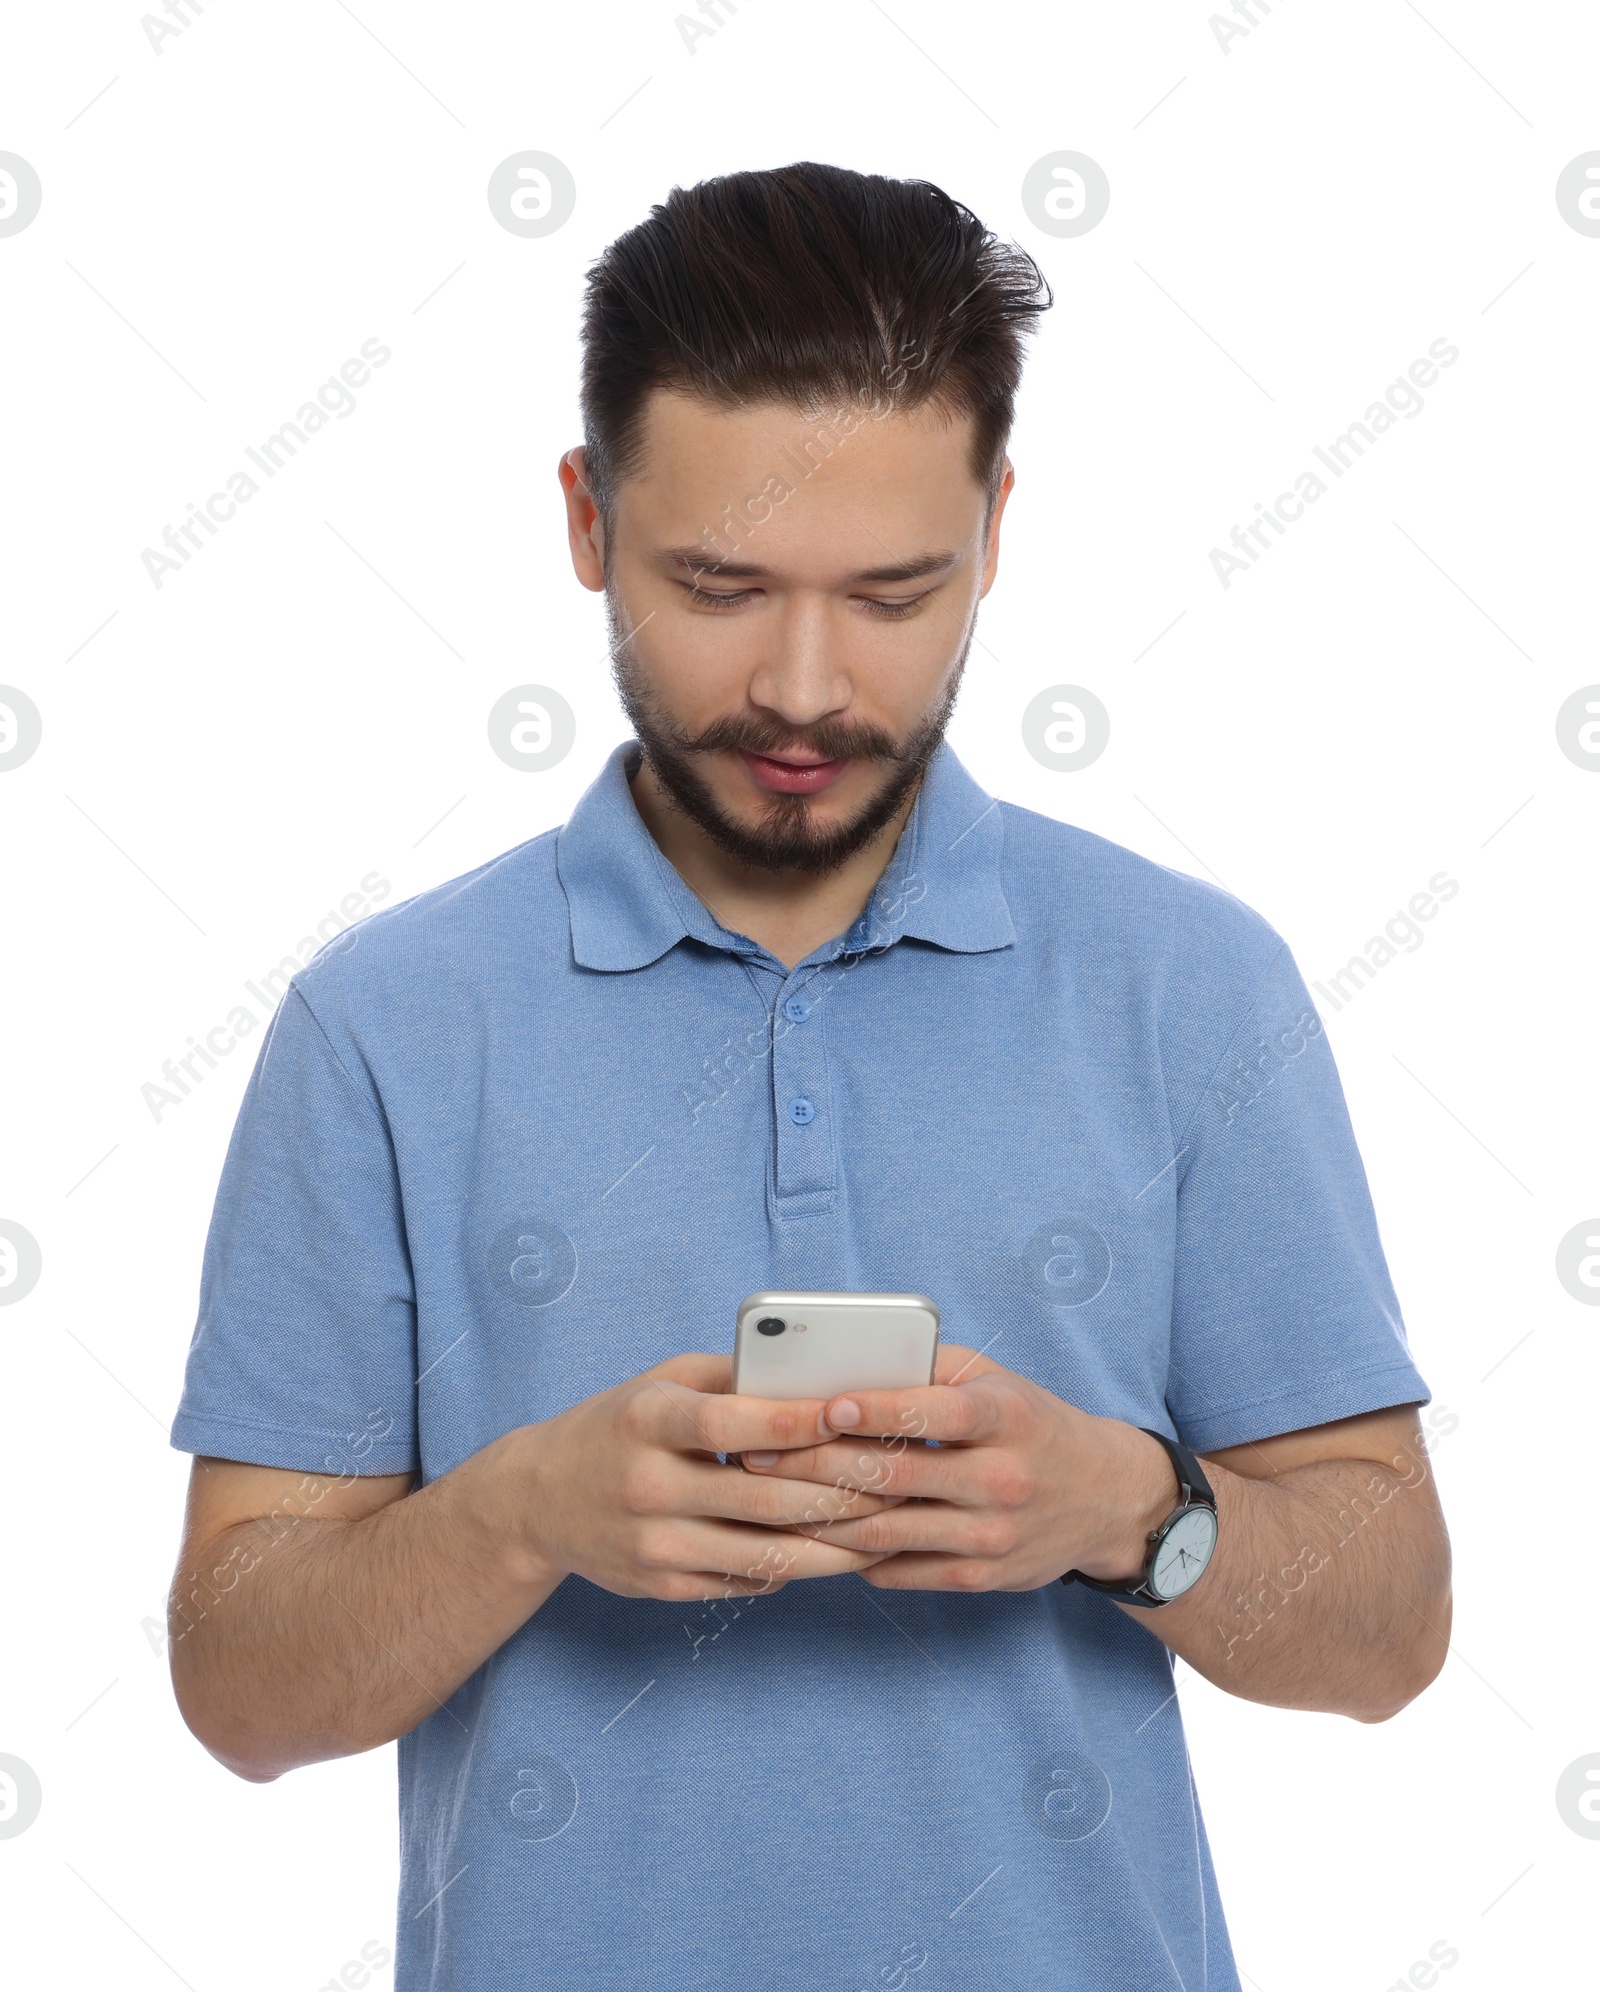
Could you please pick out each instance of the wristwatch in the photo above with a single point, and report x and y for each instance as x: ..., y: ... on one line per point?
x: 1180, y: 1548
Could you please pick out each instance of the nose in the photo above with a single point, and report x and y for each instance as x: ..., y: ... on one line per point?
x: 801, y: 675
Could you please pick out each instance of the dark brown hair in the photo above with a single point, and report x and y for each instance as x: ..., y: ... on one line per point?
x: 812, y: 285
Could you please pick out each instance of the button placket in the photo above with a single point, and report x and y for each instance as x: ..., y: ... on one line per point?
x: 802, y: 1106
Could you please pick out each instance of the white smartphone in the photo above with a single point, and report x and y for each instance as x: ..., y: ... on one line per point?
x: 818, y: 1344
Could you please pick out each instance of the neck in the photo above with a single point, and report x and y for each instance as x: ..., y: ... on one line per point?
x: 787, y: 913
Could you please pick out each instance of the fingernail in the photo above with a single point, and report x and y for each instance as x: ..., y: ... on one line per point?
x: 761, y: 1459
x: 843, y: 1413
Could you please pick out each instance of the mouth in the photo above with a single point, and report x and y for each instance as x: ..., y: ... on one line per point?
x: 781, y: 774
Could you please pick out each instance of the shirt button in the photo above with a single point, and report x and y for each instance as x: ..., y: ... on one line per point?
x: 797, y: 1009
x: 801, y: 1112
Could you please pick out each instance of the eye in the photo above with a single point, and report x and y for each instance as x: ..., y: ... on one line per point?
x: 893, y: 611
x: 704, y: 600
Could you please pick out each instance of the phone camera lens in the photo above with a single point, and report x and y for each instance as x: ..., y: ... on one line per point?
x: 769, y: 1324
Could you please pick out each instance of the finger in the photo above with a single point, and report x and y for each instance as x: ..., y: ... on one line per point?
x: 676, y: 1415
x: 770, y: 1499
x: 969, y: 1411
x: 719, y: 1584
x: 764, y: 1558
x: 918, y: 1527
x: 887, y: 1467
x: 953, y: 1363
x: 669, y: 1412
x: 923, y: 1573
x: 822, y: 1524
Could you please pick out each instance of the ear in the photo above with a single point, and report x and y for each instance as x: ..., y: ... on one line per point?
x: 992, y: 553
x: 585, y: 528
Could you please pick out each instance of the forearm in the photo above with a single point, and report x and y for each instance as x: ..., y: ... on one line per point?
x: 1327, y: 1590
x: 304, y: 1639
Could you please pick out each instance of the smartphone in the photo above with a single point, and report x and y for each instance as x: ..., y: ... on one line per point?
x: 819, y: 1344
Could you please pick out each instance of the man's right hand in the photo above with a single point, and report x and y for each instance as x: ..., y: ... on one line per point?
x: 625, y: 1489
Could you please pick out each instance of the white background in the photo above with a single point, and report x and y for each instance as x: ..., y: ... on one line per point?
x: 225, y: 757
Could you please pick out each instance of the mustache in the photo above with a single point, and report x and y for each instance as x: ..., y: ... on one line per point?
x: 834, y: 740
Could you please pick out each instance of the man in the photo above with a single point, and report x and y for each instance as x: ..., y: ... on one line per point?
x: 702, y: 1689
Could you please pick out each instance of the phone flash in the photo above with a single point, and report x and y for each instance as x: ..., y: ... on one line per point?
x: 799, y: 1327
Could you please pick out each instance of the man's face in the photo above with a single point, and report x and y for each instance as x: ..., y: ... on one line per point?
x: 792, y: 598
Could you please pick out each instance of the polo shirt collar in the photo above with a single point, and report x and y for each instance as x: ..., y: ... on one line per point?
x: 628, y: 905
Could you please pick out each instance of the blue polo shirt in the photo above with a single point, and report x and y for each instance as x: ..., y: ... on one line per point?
x: 531, y: 1132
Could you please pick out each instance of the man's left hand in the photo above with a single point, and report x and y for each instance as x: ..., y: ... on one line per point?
x: 1021, y: 1487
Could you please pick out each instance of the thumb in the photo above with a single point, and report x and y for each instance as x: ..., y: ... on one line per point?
x: 699, y: 1372
x: 955, y: 1363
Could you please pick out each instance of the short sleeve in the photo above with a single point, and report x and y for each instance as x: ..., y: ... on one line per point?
x: 1283, y: 1312
x: 303, y: 1351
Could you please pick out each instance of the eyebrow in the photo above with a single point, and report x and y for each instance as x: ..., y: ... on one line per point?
x: 695, y: 558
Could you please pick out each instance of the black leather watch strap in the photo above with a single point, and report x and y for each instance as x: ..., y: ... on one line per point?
x: 1194, y: 1490
x: 1192, y: 1482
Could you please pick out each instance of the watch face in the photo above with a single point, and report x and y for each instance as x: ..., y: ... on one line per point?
x: 1184, y: 1552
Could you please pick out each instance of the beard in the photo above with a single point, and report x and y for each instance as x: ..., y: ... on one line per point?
x: 785, y: 837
